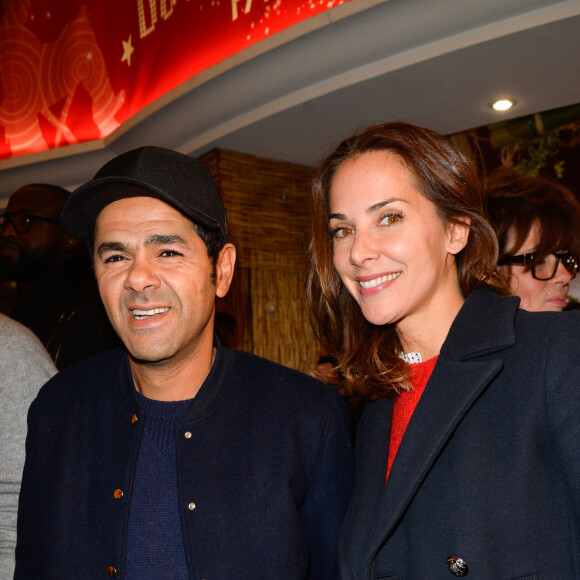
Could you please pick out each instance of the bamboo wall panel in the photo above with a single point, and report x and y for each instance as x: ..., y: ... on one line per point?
x: 268, y: 206
x: 280, y: 324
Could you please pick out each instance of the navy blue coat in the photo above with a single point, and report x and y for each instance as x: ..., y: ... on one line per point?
x: 489, y: 468
x: 263, y: 454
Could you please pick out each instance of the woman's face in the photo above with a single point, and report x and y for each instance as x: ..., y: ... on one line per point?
x: 536, y: 295
x: 392, y: 251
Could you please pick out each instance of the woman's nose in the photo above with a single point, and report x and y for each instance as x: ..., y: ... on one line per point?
x: 363, y: 248
x: 563, y: 275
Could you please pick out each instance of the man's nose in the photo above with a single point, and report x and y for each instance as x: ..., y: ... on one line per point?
x: 142, y: 276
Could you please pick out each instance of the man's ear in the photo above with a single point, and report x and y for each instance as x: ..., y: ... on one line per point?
x: 459, y: 234
x: 224, y: 269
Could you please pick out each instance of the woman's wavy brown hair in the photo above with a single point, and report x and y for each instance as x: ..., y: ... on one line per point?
x: 369, y: 365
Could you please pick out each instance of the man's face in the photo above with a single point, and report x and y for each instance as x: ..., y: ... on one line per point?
x: 155, y: 279
x: 24, y: 256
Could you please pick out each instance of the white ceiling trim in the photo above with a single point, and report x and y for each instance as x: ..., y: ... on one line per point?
x: 389, y: 64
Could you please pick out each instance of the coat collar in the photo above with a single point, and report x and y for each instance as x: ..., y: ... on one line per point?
x: 485, y: 324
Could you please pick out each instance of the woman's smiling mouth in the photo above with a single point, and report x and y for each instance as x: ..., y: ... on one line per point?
x: 379, y: 280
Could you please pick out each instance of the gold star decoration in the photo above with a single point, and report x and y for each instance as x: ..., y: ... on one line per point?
x: 127, y: 50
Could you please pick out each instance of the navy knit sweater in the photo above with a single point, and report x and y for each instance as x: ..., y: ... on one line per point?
x: 155, y: 543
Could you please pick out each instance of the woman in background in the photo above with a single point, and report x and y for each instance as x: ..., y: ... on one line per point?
x: 467, y: 448
x: 538, y: 227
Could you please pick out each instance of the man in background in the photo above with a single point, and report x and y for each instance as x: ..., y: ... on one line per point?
x: 58, y: 294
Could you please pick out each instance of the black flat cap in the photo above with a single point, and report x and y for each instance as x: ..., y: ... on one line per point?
x: 182, y: 181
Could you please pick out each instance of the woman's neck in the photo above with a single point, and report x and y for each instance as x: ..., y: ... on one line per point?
x: 426, y: 332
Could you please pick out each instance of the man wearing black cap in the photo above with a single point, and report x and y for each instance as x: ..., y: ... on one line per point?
x: 176, y: 458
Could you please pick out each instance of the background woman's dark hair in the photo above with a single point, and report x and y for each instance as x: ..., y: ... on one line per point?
x: 368, y: 355
x: 515, y: 202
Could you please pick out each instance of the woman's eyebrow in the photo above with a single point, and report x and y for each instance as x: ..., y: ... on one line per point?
x: 373, y: 208
x: 381, y: 204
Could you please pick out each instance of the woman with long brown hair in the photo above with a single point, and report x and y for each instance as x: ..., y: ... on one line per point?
x: 467, y: 454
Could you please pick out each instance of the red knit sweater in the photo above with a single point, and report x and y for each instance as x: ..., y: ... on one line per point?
x: 405, y: 404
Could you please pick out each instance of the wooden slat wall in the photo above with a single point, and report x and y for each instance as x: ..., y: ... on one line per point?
x: 268, y: 206
x: 280, y: 325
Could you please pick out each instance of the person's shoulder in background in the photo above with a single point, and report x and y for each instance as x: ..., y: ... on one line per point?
x: 23, y: 358
x: 24, y: 367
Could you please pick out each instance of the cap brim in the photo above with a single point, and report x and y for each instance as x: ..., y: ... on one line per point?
x: 81, y: 209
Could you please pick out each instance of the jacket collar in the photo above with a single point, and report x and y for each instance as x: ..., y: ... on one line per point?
x: 210, y: 392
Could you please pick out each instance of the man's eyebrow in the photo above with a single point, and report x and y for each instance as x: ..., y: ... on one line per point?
x: 111, y: 247
x: 163, y: 239
x: 153, y: 240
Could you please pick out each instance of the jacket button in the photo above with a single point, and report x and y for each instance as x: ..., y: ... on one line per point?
x: 457, y: 566
x: 118, y: 493
x: 134, y: 418
x: 187, y: 434
x: 111, y: 571
x: 191, y: 506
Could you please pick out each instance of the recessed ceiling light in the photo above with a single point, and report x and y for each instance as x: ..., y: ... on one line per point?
x: 502, y: 105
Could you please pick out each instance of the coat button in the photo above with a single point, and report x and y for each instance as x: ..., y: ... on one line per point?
x: 191, y: 506
x: 118, y: 493
x: 457, y: 566
x: 187, y: 434
x: 134, y: 418
x: 111, y: 571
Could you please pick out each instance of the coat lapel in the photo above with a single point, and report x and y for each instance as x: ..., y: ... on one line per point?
x: 452, y: 389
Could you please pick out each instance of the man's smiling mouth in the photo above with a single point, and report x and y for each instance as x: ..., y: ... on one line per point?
x: 143, y: 314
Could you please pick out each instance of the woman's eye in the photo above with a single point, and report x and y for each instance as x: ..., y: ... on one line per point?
x: 343, y: 232
x: 391, y: 219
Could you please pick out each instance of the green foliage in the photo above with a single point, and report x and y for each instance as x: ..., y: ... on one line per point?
x: 537, y: 152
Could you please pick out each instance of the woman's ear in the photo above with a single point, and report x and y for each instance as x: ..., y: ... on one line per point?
x: 459, y: 234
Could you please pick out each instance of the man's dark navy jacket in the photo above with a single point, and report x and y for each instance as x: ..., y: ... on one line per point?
x: 263, y: 464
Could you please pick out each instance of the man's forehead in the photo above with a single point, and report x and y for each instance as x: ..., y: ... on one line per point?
x: 120, y: 208
x: 136, y: 210
x: 147, y: 217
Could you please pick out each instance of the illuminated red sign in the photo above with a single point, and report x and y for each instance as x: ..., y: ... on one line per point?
x: 73, y: 71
